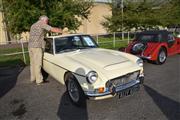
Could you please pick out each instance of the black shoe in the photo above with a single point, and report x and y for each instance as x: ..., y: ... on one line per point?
x: 46, y: 81
x: 41, y: 83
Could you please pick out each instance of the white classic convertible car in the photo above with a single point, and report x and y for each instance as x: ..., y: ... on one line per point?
x: 88, y: 71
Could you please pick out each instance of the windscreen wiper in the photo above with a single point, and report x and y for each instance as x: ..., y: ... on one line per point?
x: 68, y: 50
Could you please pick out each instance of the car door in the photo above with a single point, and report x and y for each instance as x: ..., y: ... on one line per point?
x: 52, y: 62
x: 177, y: 45
x: 48, y: 55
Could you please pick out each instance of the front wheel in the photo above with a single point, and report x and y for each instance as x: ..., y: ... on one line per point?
x: 162, y: 56
x: 75, y: 91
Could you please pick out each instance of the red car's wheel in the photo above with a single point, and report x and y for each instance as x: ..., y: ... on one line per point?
x: 162, y: 56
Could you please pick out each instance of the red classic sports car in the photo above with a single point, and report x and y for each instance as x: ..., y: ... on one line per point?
x: 154, y: 45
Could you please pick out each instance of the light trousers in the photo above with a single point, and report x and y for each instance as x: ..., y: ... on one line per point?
x: 36, y: 56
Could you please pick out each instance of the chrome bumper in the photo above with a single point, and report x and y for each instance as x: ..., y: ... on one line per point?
x: 144, y: 57
x: 132, y: 84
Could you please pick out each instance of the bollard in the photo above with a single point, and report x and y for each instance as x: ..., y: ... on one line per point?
x: 128, y: 37
x: 22, y: 46
x: 114, y: 39
x: 97, y: 39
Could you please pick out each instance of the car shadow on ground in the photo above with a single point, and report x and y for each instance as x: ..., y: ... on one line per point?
x: 8, y: 78
x: 68, y: 111
x: 169, y: 107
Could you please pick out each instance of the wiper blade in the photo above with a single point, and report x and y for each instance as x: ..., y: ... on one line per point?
x: 81, y: 47
x: 68, y: 50
x: 84, y: 47
x: 73, y: 49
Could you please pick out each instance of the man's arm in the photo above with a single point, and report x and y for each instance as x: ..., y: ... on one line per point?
x: 56, y: 30
x: 51, y: 29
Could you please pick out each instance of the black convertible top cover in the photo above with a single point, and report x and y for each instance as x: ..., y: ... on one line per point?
x: 162, y: 33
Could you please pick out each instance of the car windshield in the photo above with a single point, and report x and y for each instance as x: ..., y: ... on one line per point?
x: 149, y: 37
x: 71, y: 43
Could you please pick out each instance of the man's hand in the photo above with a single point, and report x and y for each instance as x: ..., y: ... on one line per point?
x: 65, y: 31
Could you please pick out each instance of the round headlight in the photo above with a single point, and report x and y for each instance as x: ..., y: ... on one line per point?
x: 92, y: 77
x: 140, y: 62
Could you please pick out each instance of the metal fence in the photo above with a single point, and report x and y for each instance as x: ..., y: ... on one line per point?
x: 12, y: 49
x: 114, y: 38
x: 19, y: 48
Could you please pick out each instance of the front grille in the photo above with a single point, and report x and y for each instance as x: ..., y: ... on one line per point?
x: 123, y: 79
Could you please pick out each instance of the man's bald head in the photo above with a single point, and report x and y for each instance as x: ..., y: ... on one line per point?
x: 44, y: 18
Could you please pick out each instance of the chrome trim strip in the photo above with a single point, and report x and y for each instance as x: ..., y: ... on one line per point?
x: 116, y: 63
x: 145, y: 57
x: 97, y: 94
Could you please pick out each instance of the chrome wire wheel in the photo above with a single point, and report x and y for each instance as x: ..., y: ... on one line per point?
x: 162, y: 56
x: 73, y: 90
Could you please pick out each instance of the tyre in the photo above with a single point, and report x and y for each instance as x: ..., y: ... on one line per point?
x: 75, y: 91
x: 138, y: 48
x: 162, y: 56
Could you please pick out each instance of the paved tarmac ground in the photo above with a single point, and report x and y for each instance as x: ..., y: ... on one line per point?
x: 158, y: 99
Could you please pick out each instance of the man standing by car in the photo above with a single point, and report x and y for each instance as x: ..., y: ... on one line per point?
x: 37, y: 45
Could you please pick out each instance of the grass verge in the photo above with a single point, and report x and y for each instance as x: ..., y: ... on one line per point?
x: 14, y: 59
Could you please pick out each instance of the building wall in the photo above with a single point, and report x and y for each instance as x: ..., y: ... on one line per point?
x: 93, y: 24
x: 3, y: 34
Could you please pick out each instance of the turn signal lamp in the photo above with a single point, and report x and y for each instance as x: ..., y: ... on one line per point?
x: 101, y: 90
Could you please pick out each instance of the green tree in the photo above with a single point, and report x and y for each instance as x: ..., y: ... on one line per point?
x: 21, y: 14
x: 170, y: 13
x: 145, y: 14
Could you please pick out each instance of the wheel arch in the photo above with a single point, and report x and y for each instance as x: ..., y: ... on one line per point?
x: 162, y: 48
x: 83, y: 97
x: 159, y: 48
x: 67, y: 73
x: 165, y: 48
